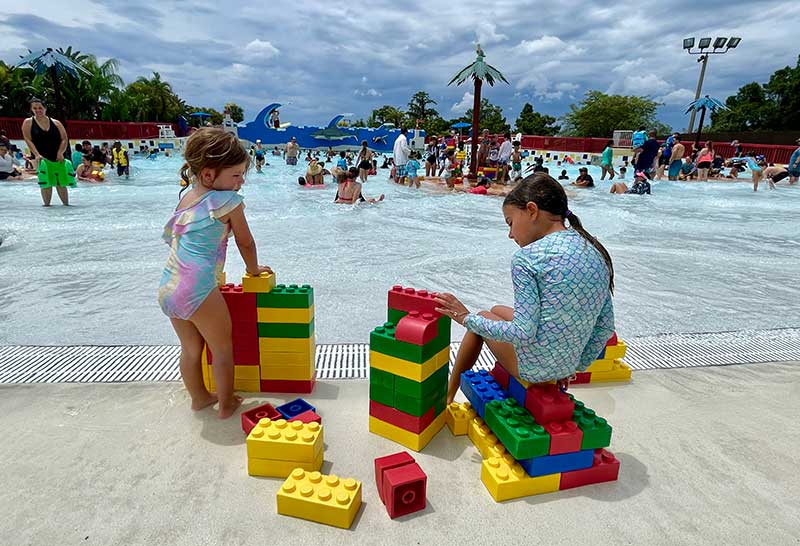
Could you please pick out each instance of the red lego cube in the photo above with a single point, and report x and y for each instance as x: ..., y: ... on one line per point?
x: 546, y: 403
x: 382, y: 464
x: 309, y: 416
x: 565, y: 437
x: 581, y: 378
x: 500, y: 375
x: 404, y: 490
x: 417, y: 328
x: 605, y: 468
x: 401, y: 419
x: 241, y: 305
x: 612, y: 340
x: 408, y: 299
x: 250, y: 418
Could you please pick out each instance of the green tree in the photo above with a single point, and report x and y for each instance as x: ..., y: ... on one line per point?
x: 215, y: 119
x: 386, y: 114
x: 17, y: 86
x: 491, y: 117
x: 599, y: 115
x: 237, y: 114
x: 418, y: 107
x: 155, y: 99
x: 534, y: 123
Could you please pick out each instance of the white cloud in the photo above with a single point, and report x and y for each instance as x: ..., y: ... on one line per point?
x: 486, y: 33
x: 646, y: 84
x: 466, y: 102
x: 567, y: 86
x: 679, y: 96
x: 260, y: 50
x: 368, y: 93
x: 627, y: 66
x: 549, y: 45
x: 363, y: 79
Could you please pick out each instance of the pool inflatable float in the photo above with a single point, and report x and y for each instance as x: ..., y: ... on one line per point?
x: 53, y: 173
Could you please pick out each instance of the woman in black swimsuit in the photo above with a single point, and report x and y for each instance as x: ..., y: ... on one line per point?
x: 46, y: 138
x: 364, y: 161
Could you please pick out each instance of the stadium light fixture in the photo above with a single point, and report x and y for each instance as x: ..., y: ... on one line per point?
x: 733, y: 42
x: 719, y: 43
x: 704, y: 43
x: 688, y: 43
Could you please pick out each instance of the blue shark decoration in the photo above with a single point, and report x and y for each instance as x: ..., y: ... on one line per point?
x: 379, y: 139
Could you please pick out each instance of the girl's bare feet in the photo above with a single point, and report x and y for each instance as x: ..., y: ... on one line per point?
x: 207, y: 400
x: 229, y: 408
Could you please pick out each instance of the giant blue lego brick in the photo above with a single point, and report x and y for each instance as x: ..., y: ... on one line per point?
x: 553, y: 464
x: 479, y: 388
x: 294, y: 408
x: 516, y: 390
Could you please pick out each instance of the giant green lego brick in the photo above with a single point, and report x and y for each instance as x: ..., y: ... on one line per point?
x: 596, y: 430
x: 382, y: 378
x: 381, y: 394
x: 287, y: 297
x: 382, y: 340
x: 420, y: 406
x: 437, y: 382
x: 286, y: 329
x: 515, y: 427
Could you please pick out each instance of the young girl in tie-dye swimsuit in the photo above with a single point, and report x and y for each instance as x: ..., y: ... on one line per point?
x: 563, y: 315
x: 197, y: 235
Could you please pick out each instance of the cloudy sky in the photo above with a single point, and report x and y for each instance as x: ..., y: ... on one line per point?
x: 320, y: 58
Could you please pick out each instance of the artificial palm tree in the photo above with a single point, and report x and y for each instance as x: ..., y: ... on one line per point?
x: 478, y: 71
x: 54, y: 64
x: 701, y: 105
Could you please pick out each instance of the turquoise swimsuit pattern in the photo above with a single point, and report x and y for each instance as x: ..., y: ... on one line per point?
x: 198, y: 243
x: 563, y: 313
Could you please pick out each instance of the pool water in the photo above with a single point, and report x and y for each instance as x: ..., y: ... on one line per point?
x: 690, y: 258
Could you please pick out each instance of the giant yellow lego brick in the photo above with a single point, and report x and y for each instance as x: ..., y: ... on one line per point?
x: 410, y: 370
x: 620, y: 372
x: 416, y: 442
x: 289, y: 373
x: 603, y: 365
x: 246, y: 372
x: 263, y: 283
x: 223, y: 279
x: 506, y: 479
x: 204, y: 355
x: 303, y: 359
x: 207, y: 380
x: 293, y: 316
x: 316, y: 497
x: 247, y: 385
x: 614, y: 352
x: 457, y: 416
x: 284, y: 441
x: 287, y: 345
x: 487, y: 443
x: 281, y: 469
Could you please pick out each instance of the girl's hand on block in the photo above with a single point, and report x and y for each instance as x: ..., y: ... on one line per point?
x: 451, y: 307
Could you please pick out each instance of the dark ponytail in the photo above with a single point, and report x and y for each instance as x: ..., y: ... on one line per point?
x: 549, y: 196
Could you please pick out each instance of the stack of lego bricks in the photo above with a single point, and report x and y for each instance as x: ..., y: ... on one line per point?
x: 533, y: 438
x: 409, y: 358
x: 609, y: 366
x: 273, y: 336
x: 276, y: 447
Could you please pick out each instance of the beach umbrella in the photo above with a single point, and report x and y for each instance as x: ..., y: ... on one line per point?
x: 702, y: 105
x: 479, y: 71
x: 54, y: 64
x: 461, y: 125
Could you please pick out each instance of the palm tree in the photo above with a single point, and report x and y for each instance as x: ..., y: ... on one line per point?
x: 17, y: 86
x: 478, y: 71
x: 701, y: 105
x: 53, y: 64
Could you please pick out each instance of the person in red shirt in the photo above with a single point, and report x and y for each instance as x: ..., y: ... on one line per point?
x: 482, y: 187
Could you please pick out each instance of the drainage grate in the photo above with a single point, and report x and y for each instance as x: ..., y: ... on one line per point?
x: 110, y: 364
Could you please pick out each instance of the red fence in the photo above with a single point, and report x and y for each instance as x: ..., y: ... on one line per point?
x: 91, y: 130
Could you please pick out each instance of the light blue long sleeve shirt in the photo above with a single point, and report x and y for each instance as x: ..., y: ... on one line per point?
x: 563, y: 312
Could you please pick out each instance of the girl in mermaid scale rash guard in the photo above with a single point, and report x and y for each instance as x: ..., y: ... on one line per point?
x: 563, y: 280
x: 197, y: 235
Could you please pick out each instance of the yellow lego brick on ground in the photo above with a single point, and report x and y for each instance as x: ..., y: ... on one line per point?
x: 410, y: 370
x: 403, y: 437
x: 247, y: 385
x: 246, y: 372
x: 287, y: 345
x: 289, y: 373
x: 614, y: 352
x: 620, y: 372
x: 603, y: 365
x: 263, y: 283
x: 280, y: 469
x: 207, y: 381
x: 506, y: 479
x: 457, y: 416
x: 488, y: 444
x: 284, y: 441
x: 316, y: 497
x: 304, y: 359
x: 294, y: 316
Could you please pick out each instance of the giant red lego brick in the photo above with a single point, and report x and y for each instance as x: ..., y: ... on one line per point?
x: 546, y: 403
x: 500, y: 375
x: 612, y: 340
x: 401, y: 419
x: 605, y: 468
x: 287, y: 385
x: 309, y: 416
x: 565, y: 437
x: 417, y: 328
x: 404, y: 489
x: 242, y: 355
x: 582, y: 378
x: 382, y: 464
x: 409, y: 299
x: 241, y: 305
x: 251, y: 417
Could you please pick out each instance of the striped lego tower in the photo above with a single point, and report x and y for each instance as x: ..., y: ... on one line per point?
x: 409, y: 358
x: 273, y: 336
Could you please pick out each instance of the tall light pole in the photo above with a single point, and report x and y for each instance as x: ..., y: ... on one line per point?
x: 703, y: 45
